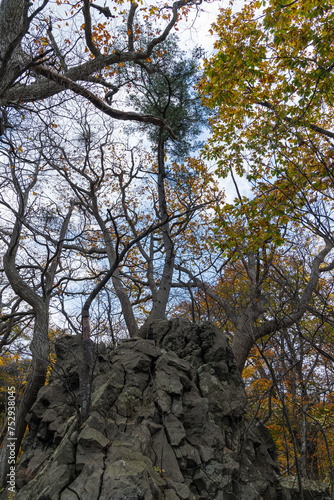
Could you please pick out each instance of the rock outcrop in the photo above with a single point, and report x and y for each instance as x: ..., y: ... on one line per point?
x: 166, y: 422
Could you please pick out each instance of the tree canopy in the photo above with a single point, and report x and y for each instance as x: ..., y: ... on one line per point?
x: 271, y: 83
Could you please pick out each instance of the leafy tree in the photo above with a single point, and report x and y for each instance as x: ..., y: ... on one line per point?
x: 289, y: 387
x: 268, y: 84
x: 129, y: 224
x: 288, y: 372
x: 168, y: 92
x: 252, y: 273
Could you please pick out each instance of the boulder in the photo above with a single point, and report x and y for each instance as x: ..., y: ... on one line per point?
x: 166, y: 422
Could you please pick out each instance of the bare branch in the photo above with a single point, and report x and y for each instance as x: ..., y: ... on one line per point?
x: 103, y: 10
x: 78, y: 89
x: 88, y: 29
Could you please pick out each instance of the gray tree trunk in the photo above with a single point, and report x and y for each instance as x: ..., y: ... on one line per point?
x: 158, y: 310
x: 36, y: 379
x: 40, y: 343
x: 121, y: 292
x: 13, y: 25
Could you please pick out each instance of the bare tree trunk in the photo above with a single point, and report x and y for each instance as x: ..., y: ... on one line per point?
x: 36, y: 379
x: 86, y: 370
x: 40, y: 342
x: 158, y: 310
x: 121, y: 293
x: 39, y: 364
x: 127, y: 309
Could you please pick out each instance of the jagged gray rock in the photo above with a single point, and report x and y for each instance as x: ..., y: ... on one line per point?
x: 166, y: 423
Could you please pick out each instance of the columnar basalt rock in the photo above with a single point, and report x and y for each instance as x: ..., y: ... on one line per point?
x: 166, y: 422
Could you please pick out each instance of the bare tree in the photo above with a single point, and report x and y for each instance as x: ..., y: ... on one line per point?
x: 31, y: 279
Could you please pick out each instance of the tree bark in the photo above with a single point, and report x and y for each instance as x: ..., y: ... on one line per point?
x: 40, y: 343
x: 121, y: 293
x: 86, y: 371
x: 13, y: 25
x: 36, y: 379
x: 158, y: 310
x: 243, y: 338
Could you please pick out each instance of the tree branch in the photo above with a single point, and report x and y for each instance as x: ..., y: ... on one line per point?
x: 320, y: 130
x: 66, y: 83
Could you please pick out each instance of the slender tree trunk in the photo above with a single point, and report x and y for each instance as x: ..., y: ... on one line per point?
x: 86, y: 363
x: 36, y: 379
x: 158, y: 310
x: 39, y: 364
x: 127, y: 309
x: 303, y: 447
x: 121, y: 293
x: 86, y: 370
